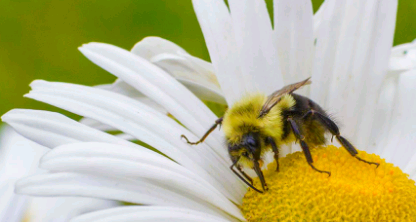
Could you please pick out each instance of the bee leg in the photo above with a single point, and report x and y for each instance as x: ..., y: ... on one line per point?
x: 241, y: 178
x: 217, y: 122
x: 275, y: 151
x: 304, y: 146
x: 245, y: 175
x: 333, y: 128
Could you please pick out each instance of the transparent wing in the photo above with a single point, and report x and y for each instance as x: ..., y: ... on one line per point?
x: 275, y: 97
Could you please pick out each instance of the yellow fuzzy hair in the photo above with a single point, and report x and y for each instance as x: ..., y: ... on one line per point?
x: 241, y: 118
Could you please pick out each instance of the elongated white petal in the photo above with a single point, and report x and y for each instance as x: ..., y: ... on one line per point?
x: 400, y: 50
x: 293, y: 35
x: 121, y: 87
x: 122, y: 189
x: 201, y: 81
x: 216, y: 24
x: 373, y: 77
x: 317, y: 18
x: 62, y: 209
x: 96, y: 124
x: 197, y: 75
x: 148, y: 213
x: 12, y: 206
x: 383, y: 115
x: 53, y: 129
x: 18, y: 158
x: 257, y: 52
x: 138, y: 120
x: 347, y: 81
x: 157, y: 85
x: 399, y: 146
x: 153, y: 46
x: 115, y: 161
x: 403, y: 57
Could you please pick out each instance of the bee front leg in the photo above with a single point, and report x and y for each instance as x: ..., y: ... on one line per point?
x: 270, y: 140
x: 217, y: 122
x: 242, y: 178
x: 303, y: 144
x: 245, y: 175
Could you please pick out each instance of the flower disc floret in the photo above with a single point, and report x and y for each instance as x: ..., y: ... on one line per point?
x: 355, y: 191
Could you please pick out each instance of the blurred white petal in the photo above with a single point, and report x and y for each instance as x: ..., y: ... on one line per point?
x: 63, y: 209
x: 148, y: 213
x: 18, y: 158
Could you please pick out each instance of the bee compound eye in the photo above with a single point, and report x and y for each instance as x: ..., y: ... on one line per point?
x: 245, y: 154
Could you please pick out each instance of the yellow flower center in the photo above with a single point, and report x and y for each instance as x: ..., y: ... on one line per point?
x: 356, y: 191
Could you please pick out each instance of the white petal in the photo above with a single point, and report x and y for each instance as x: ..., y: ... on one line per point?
x: 348, y: 81
x: 257, y: 52
x: 201, y: 81
x: 148, y: 213
x: 19, y: 157
x: 317, y: 19
x: 293, y: 35
x: 159, y: 86
x: 53, y: 129
x: 62, y: 209
x: 152, y: 46
x: 120, y: 161
x: 383, y: 115
x: 197, y: 75
x: 400, y: 142
x: 215, y: 21
x: 326, y: 39
x: 96, y: 124
x: 12, y: 206
x: 400, y: 50
x: 403, y: 57
x: 138, y: 120
x: 132, y: 191
x: 121, y: 87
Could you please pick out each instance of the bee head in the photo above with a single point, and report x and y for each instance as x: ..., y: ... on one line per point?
x: 247, y: 151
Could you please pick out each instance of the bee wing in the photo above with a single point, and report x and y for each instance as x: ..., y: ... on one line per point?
x: 275, y: 97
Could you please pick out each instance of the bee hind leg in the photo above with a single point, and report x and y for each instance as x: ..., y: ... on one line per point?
x: 217, y: 122
x: 304, y: 146
x: 333, y: 128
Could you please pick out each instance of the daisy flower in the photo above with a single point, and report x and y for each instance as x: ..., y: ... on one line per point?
x: 345, y: 47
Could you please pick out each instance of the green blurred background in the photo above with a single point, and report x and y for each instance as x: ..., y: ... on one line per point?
x: 39, y: 39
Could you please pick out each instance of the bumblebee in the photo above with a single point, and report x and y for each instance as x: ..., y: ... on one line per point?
x: 258, y: 123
